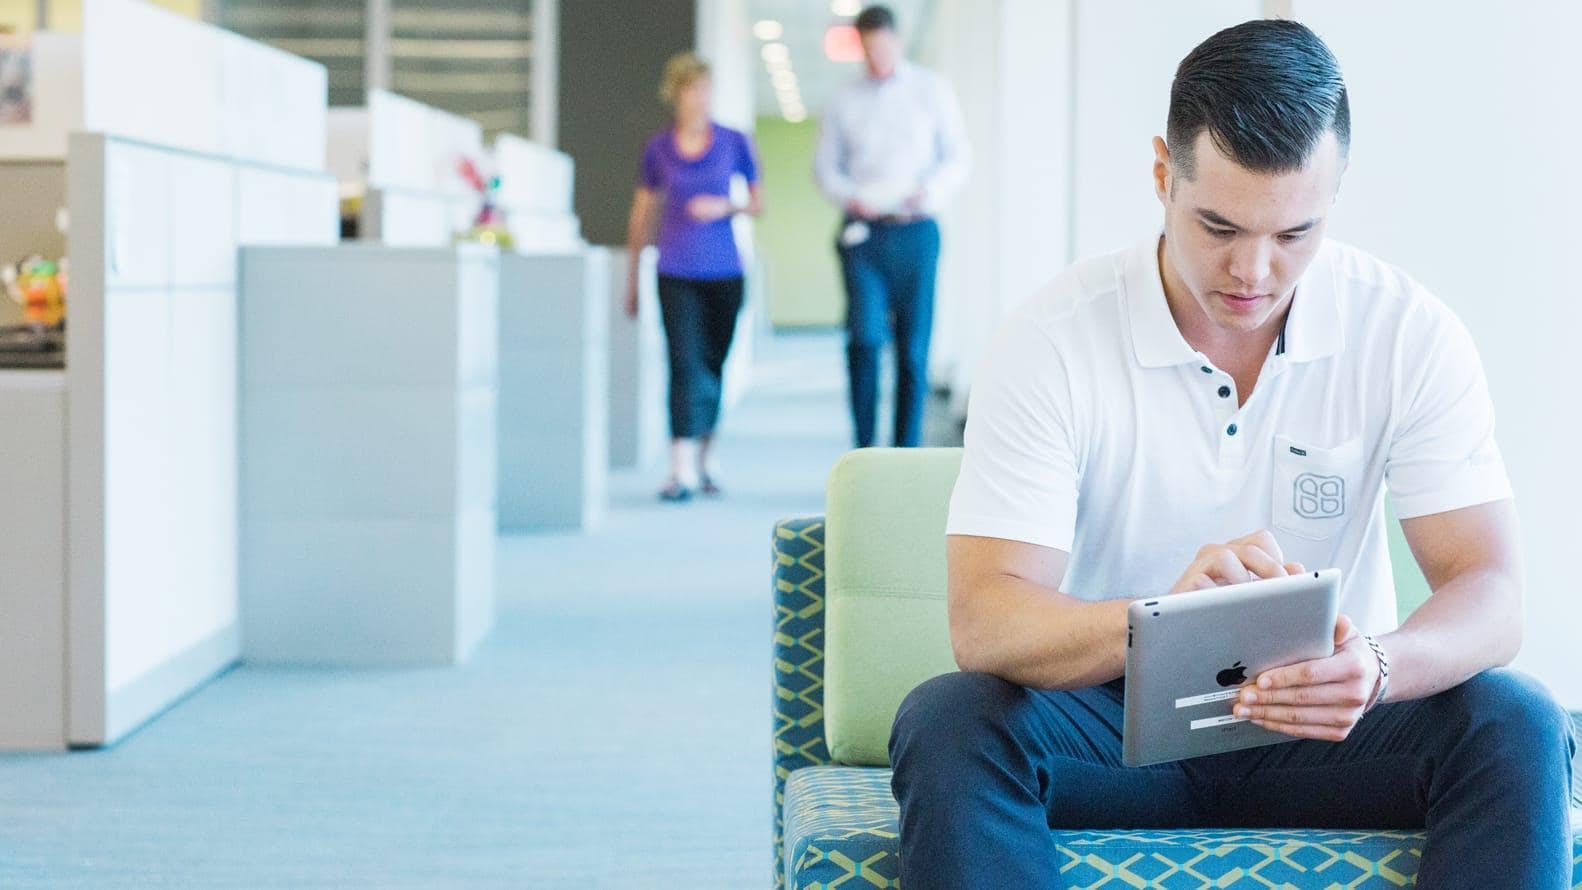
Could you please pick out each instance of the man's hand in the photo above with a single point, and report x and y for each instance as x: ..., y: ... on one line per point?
x: 1319, y: 699
x: 858, y: 210
x: 1245, y: 559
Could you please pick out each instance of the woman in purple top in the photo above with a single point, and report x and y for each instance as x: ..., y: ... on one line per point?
x: 685, y: 181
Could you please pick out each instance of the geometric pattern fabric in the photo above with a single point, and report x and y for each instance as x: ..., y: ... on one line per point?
x: 838, y: 826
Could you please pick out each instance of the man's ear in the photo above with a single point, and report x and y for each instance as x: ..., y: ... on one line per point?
x: 1162, y: 170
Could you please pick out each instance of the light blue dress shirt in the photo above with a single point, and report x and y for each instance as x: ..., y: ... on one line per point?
x: 881, y: 141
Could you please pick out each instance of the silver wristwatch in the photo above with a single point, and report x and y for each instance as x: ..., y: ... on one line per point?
x: 1384, y: 673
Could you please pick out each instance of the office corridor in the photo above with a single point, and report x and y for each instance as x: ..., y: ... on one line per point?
x: 613, y: 731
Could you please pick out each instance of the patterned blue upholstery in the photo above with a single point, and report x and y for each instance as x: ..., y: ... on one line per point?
x: 837, y: 826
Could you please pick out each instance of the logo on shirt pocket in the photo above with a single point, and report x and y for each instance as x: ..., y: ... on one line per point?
x: 1318, y: 497
x: 1310, y: 489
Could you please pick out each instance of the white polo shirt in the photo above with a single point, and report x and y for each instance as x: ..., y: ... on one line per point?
x: 1094, y: 428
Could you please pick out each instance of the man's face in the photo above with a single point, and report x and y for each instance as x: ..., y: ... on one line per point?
x: 881, y: 48
x: 1239, y: 241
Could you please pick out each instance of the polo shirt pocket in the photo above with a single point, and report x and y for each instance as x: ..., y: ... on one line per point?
x: 1316, y: 489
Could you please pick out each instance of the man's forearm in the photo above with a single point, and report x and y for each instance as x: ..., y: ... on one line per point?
x: 1031, y: 636
x: 1470, y: 624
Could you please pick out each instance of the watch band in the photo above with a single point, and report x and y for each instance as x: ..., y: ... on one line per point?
x: 1384, y: 673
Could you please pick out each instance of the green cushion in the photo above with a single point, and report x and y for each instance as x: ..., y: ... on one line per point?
x: 886, y: 628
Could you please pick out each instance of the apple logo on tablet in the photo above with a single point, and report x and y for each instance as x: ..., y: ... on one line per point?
x: 1235, y: 675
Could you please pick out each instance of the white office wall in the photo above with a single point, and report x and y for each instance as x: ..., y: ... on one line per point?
x: 1462, y: 173
x: 57, y: 105
x: 1126, y: 55
x: 1061, y: 125
x: 1006, y: 233
x: 724, y: 39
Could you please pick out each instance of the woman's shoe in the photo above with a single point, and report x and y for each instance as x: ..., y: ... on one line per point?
x: 708, y: 487
x: 675, y: 493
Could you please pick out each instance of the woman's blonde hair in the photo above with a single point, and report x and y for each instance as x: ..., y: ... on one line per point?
x: 680, y: 71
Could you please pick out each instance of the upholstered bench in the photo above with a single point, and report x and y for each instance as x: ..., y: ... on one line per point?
x: 835, y: 821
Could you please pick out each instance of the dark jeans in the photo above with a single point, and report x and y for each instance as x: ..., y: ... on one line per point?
x: 890, y: 276
x: 984, y: 769
x: 700, y: 319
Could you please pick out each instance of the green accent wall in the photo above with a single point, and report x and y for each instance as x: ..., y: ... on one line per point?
x: 796, y: 234
x: 1411, y: 588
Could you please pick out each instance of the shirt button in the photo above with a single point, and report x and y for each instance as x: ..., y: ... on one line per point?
x: 1224, y: 392
x: 1230, y: 430
x: 1207, y: 369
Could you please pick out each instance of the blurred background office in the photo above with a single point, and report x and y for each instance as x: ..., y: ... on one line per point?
x: 329, y: 552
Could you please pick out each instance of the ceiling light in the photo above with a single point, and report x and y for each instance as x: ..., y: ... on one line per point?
x: 768, y: 29
x: 773, y: 52
x: 783, y: 79
x: 795, y: 115
x: 846, y: 7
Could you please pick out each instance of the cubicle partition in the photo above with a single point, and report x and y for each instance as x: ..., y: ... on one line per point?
x: 402, y: 158
x: 368, y: 453
x: 554, y: 390
x: 121, y: 592
x: 152, y: 420
x: 638, y: 426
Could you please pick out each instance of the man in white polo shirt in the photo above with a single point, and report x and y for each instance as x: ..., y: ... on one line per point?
x: 1231, y: 399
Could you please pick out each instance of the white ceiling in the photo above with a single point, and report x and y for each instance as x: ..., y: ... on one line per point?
x: 804, y: 23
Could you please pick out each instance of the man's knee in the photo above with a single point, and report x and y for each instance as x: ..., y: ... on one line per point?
x: 1516, y: 711
x: 953, y: 713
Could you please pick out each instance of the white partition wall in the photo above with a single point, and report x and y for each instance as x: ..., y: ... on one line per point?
x: 535, y: 195
x: 151, y: 374
x: 403, y: 157
x: 554, y: 389
x: 638, y: 426
x: 368, y: 453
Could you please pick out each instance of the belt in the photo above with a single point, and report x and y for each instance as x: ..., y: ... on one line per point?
x: 899, y: 219
x: 888, y: 219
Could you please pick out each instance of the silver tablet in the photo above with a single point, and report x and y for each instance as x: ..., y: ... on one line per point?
x: 1189, y: 654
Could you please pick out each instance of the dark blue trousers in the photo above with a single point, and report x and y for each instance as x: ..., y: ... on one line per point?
x: 700, y: 321
x: 984, y: 769
x: 890, y: 284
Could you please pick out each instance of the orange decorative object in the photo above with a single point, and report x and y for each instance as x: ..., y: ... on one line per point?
x: 40, y: 286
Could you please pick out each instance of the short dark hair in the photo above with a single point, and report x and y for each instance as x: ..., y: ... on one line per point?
x: 875, y: 18
x: 1266, y: 90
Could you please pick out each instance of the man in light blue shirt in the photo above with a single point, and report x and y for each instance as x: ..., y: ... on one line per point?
x: 891, y: 152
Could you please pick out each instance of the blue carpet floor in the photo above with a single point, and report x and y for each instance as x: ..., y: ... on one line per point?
x: 612, y: 732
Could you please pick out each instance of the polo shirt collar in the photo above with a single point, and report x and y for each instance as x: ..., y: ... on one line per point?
x: 1312, y: 330
x: 1315, y: 329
